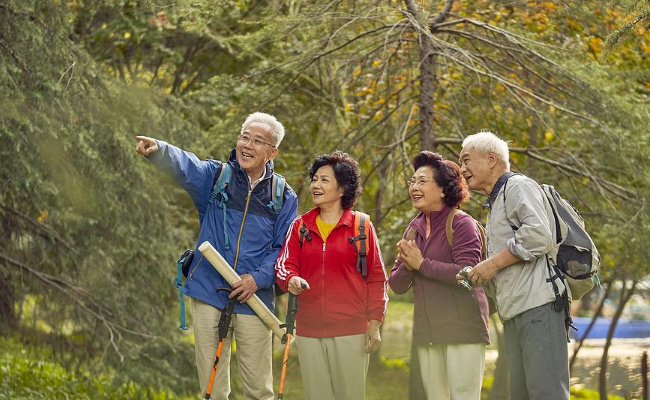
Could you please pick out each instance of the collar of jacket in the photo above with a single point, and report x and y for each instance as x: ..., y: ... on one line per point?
x: 419, y: 223
x: 495, y: 190
x: 309, y: 218
x: 232, y: 160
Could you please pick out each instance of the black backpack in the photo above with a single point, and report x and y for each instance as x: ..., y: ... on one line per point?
x: 575, y: 255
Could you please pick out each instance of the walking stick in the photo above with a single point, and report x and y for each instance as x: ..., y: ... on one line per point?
x: 224, y: 323
x: 290, y: 324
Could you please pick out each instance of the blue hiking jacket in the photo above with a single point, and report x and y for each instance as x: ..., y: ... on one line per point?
x: 255, y: 231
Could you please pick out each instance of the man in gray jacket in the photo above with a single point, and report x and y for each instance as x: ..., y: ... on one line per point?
x: 517, y: 274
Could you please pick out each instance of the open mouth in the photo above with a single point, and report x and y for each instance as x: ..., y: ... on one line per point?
x: 416, y: 197
x: 246, y: 155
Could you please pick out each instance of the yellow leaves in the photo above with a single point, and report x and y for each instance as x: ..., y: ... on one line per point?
x: 645, y: 47
x: 548, y: 6
x: 574, y: 24
x: 549, y: 135
x: 595, y: 46
x: 43, y: 216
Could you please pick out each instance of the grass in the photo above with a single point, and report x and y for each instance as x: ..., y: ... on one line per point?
x: 25, y: 374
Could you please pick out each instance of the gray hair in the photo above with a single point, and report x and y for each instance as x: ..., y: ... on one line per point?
x: 277, y: 130
x: 487, y: 142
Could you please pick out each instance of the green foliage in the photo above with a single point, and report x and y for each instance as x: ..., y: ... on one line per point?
x: 90, y: 231
x: 23, y: 375
x: 79, y: 207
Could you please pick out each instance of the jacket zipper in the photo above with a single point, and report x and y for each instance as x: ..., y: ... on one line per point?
x: 241, y: 228
x: 322, y: 304
x: 194, y: 269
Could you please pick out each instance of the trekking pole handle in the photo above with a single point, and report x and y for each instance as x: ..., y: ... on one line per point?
x: 293, y: 299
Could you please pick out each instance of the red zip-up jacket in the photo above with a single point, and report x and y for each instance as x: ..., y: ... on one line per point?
x: 340, y: 301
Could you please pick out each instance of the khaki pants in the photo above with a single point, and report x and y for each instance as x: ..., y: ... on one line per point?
x: 453, y: 371
x: 333, y: 368
x: 254, y: 350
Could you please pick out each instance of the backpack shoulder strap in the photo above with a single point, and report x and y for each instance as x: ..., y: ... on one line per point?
x: 360, y: 222
x: 549, y: 193
x: 218, y: 188
x: 220, y: 184
x: 449, y: 229
x: 278, y: 183
x: 304, y: 232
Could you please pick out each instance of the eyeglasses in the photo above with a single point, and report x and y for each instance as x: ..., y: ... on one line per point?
x: 420, y: 182
x: 257, y: 142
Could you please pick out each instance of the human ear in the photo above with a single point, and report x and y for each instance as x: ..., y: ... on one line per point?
x: 492, y: 159
x: 273, y: 154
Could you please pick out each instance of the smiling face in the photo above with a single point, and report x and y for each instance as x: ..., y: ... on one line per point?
x: 253, y: 151
x: 325, y: 190
x: 476, y: 168
x: 426, y: 194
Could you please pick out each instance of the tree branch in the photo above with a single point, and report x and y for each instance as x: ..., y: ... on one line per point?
x: 433, y: 24
x: 45, y: 230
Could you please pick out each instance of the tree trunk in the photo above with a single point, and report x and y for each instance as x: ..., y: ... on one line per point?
x: 501, y: 385
x: 602, y: 377
x: 416, y: 387
x: 7, y: 303
x: 427, y: 87
x: 580, y: 342
x: 382, y: 173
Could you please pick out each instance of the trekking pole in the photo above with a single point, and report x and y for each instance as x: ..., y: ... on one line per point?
x: 224, y: 323
x: 290, y: 324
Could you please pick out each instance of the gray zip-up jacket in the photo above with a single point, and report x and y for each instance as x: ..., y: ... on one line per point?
x: 521, y: 222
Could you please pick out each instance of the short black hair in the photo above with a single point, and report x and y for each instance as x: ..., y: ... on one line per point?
x: 346, y: 172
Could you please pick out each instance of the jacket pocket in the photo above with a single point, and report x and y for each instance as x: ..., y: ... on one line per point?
x: 467, y: 307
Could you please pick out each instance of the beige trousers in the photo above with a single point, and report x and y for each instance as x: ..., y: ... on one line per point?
x: 254, y: 353
x: 453, y: 371
x: 333, y: 368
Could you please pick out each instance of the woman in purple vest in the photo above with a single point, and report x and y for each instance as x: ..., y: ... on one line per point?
x: 450, y: 327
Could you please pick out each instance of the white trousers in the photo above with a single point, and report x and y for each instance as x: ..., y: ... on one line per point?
x: 333, y: 368
x: 254, y: 353
x: 452, y: 371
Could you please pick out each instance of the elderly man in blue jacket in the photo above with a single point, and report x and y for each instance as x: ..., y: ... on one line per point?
x: 249, y: 235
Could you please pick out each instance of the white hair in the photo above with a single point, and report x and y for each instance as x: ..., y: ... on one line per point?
x: 487, y: 142
x: 277, y: 130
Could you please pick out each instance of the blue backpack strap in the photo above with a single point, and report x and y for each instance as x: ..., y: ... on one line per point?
x: 277, y: 192
x: 219, y: 187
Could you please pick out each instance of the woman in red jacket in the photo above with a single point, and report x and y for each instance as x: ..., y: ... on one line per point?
x: 337, y: 324
x: 450, y: 327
